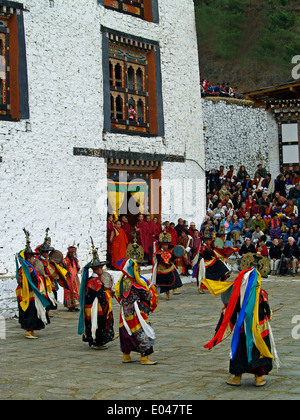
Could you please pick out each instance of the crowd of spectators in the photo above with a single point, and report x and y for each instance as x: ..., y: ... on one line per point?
x: 219, y: 90
x: 256, y: 210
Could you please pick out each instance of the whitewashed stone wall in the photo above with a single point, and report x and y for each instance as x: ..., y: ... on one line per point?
x: 42, y: 183
x: 240, y: 135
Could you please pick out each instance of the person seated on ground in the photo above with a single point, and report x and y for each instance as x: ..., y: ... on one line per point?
x: 227, y: 199
x: 259, y: 221
x: 250, y: 203
x: 291, y: 253
x: 223, y: 191
x: 229, y: 89
x: 213, y: 180
x: 241, y: 174
x: 237, y: 200
x: 275, y: 253
x: 256, y: 235
x: 236, y: 93
x: 280, y: 185
x: 294, y: 194
x: 261, y: 248
x: 277, y: 210
x: 228, y: 210
x: 284, y: 220
x: 288, y: 181
x: 235, y: 229
x: 296, y: 178
x: 246, y: 184
x: 292, y: 221
x: 239, y: 188
x: 269, y: 185
x: 264, y: 201
x: 257, y: 209
x: 217, y: 89
x: 242, y: 211
x: 279, y: 200
x: 204, y: 226
x: 257, y: 185
x: 290, y: 233
x: 247, y: 225
x: 215, y: 201
x: 261, y: 171
x: 275, y: 227
x: 291, y: 209
x: 247, y: 247
x: 209, y: 88
x: 225, y: 223
x: 231, y: 174
x: 223, y: 91
x: 219, y: 211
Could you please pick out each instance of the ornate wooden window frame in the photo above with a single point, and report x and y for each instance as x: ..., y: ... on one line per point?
x: 15, y: 100
x: 143, y: 9
x: 127, y: 90
x: 143, y: 56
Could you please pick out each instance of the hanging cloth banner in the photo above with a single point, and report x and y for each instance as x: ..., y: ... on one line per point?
x: 116, y: 194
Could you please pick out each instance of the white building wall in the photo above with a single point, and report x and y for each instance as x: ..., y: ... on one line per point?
x: 240, y: 135
x: 43, y: 184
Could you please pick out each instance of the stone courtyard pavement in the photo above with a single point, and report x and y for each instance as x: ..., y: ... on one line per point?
x: 59, y: 366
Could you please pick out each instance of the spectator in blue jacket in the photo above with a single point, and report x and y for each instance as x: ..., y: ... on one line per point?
x: 236, y: 225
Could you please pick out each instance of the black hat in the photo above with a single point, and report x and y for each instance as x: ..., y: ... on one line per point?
x: 28, y: 250
x: 46, y: 246
x: 96, y: 260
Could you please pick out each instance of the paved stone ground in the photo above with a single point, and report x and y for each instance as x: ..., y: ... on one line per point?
x: 60, y: 366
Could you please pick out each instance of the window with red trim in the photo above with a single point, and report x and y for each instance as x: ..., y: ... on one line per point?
x: 133, y: 102
x: 138, y: 8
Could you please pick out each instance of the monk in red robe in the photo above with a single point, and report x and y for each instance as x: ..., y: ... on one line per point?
x: 127, y: 228
x: 143, y: 230
x: 109, y: 230
x: 119, y: 244
x: 152, y: 237
x: 171, y: 230
x: 157, y: 228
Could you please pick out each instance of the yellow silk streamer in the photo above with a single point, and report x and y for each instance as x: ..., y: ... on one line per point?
x: 25, y: 288
x: 216, y: 288
x: 118, y: 286
x: 61, y: 270
x: 109, y: 303
x: 137, y: 276
x: 259, y: 341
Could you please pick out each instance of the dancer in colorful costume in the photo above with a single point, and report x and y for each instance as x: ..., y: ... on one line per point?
x: 71, y: 296
x: 31, y: 292
x: 96, y: 317
x: 183, y: 264
x: 209, y: 262
x: 164, y: 273
x: 137, y: 299
x: 53, y: 273
x: 42, y: 266
x: 247, y: 314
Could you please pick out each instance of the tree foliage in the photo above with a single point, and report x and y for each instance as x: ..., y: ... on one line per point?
x: 222, y: 26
